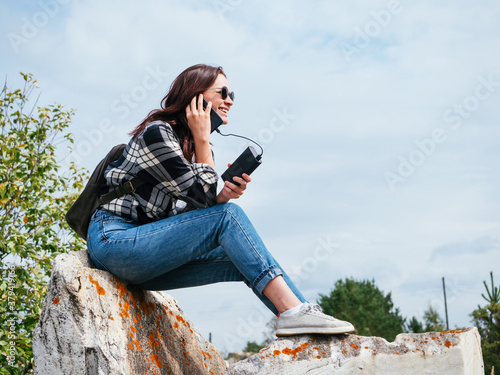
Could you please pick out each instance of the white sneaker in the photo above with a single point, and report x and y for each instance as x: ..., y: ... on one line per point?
x: 310, y: 319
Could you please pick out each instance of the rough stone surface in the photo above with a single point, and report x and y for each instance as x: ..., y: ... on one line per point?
x: 92, y: 323
x: 446, y: 353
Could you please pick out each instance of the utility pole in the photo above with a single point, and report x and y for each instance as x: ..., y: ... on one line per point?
x: 210, y: 337
x: 445, y: 306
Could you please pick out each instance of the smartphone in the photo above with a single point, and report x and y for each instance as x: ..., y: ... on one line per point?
x: 215, y: 119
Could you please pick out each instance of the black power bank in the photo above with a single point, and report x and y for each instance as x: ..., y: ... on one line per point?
x: 247, y: 162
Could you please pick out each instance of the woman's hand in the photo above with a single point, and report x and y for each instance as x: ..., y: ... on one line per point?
x: 200, y: 125
x: 232, y: 191
x: 198, y: 119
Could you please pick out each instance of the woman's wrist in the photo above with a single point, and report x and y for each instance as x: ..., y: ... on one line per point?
x: 221, y: 198
x: 201, y: 139
x: 203, y: 153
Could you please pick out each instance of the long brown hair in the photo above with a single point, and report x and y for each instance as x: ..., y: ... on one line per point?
x: 190, y: 83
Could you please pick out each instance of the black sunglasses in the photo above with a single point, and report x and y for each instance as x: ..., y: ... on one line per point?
x: 224, y: 91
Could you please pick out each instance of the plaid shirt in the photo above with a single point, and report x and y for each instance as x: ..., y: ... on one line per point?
x: 156, y: 157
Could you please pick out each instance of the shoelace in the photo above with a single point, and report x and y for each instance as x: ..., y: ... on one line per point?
x: 314, y: 308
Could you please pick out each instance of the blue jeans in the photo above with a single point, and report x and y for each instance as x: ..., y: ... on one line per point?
x: 199, y: 247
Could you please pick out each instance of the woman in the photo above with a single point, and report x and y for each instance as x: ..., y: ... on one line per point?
x: 155, y: 239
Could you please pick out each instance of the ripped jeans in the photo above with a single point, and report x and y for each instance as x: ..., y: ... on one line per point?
x: 195, y: 248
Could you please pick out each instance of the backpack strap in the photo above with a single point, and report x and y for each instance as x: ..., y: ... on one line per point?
x: 129, y: 186
x: 119, y: 191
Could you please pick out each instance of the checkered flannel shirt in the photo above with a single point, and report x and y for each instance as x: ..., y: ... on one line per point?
x: 156, y: 157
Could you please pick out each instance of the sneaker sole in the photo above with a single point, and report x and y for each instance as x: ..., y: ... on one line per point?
x: 312, y: 330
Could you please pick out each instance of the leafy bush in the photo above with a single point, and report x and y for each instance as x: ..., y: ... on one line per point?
x: 364, y: 305
x: 34, y: 197
x: 487, y: 321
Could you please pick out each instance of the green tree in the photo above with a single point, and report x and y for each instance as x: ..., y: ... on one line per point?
x: 415, y: 326
x: 34, y: 196
x: 432, y: 322
x: 364, y: 305
x: 253, y: 347
x: 487, y: 321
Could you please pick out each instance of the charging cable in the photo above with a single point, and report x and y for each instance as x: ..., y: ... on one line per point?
x: 240, y: 136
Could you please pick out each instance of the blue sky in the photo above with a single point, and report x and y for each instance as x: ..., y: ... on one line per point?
x: 379, y: 123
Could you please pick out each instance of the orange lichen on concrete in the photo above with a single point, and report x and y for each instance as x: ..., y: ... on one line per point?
x: 354, y: 346
x: 176, y: 325
x: 131, y: 346
x: 293, y: 352
x: 152, y: 339
x: 277, y: 352
x: 132, y: 299
x: 145, y: 308
x: 447, y: 344
x: 137, y: 344
x: 56, y: 300
x: 156, y: 360
x: 122, y: 289
x: 158, y: 320
x: 100, y: 289
x: 125, y: 308
x: 180, y: 319
x: 152, y: 306
x: 161, y: 338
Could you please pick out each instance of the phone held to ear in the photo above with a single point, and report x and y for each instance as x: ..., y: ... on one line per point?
x: 215, y: 119
x: 247, y: 162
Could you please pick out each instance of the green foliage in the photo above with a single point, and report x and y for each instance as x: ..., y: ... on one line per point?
x: 494, y: 294
x: 432, y: 322
x: 414, y: 326
x: 487, y: 321
x: 365, y: 306
x: 34, y: 196
x: 252, y: 347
